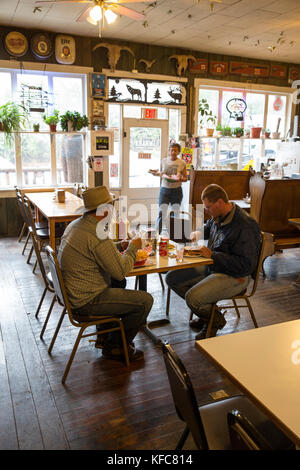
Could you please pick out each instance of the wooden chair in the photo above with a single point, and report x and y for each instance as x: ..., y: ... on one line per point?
x: 24, y: 228
x: 63, y: 300
x: 244, y: 295
x: 208, y: 423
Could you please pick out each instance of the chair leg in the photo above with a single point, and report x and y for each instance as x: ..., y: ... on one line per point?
x: 34, y: 267
x: 47, y: 317
x: 183, y: 438
x: 68, y: 366
x: 211, y: 320
x: 57, y: 330
x: 251, y: 312
x: 22, y: 232
x: 30, y: 254
x: 191, y: 315
x: 40, y: 304
x: 136, y: 283
x: 168, y: 302
x: 26, y: 242
x: 161, y: 281
x: 124, y: 343
x: 236, y: 308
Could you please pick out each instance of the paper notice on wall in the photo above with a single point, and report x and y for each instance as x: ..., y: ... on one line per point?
x: 98, y: 164
x: 114, y: 170
x: 144, y: 155
x: 187, y: 156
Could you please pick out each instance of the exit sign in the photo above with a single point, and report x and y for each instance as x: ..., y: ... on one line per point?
x: 149, y: 113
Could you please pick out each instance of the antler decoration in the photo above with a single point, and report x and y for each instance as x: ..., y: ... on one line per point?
x: 182, y: 62
x: 114, y: 53
x: 148, y: 63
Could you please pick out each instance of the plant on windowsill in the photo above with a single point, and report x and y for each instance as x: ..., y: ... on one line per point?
x: 52, y: 120
x: 73, y: 121
x: 266, y: 133
x: 36, y: 127
x: 12, y: 118
x: 238, y: 131
x: 226, y: 131
x: 219, y: 129
x: 206, y: 117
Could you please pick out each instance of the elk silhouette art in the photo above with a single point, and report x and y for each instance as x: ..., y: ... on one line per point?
x: 134, y: 91
x: 175, y: 94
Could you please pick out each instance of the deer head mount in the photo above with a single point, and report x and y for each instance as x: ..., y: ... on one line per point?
x: 182, y: 62
x: 114, y: 53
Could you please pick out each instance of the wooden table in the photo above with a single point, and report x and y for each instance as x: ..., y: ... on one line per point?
x: 164, y: 264
x: 265, y: 364
x: 55, y: 211
x: 297, y: 223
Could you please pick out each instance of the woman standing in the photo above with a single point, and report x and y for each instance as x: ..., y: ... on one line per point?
x: 173, y: 173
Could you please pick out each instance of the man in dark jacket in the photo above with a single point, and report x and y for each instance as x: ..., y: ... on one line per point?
x: 234, y: 241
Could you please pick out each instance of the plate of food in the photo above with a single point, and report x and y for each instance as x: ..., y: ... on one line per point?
x: 171, y: 178
x: 141, y: 258
x: 192, y: 251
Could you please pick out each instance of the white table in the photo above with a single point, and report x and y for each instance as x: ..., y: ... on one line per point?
x: 265, y: 364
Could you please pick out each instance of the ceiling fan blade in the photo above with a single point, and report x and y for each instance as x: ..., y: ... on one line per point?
x: 40, y: 2
x: 85, y: 14
x: 127, y: 12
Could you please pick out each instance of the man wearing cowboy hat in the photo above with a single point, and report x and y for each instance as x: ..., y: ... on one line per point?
x: 89, y: 260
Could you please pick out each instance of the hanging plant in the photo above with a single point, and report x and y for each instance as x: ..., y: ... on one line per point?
x: 12, y: 118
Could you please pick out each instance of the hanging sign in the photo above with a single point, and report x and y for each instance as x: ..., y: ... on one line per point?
x: 98, y: 164
x: 65, y: 51
x: 146, y: 156
x: 236, y: 108
x: 149, y: 113
x: 278, y: 103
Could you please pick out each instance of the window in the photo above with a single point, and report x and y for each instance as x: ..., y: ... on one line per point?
x: 266, y: 109
x: 42, y: 159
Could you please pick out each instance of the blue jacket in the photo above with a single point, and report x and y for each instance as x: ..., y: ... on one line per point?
x: 235, y: 243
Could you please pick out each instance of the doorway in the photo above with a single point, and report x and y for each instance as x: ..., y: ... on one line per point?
x: 145, y: 143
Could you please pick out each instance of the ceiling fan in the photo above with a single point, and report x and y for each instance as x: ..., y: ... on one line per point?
x: 101, y: 10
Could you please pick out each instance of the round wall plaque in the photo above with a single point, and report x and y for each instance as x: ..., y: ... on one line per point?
x: 41, y: 46
x: 16, y: 44
x: 65, y: 51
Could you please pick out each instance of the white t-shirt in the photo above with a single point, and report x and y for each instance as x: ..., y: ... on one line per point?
x: 172, y: 167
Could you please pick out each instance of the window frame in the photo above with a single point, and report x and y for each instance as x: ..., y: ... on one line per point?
x: 50, y: 70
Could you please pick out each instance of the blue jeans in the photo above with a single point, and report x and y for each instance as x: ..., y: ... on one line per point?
x: 133, y: 306
x: 167, y: 196
x: 200, y: 289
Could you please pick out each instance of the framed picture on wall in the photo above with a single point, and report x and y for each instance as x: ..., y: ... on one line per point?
x: 98, y: 108
x: 97, y: 85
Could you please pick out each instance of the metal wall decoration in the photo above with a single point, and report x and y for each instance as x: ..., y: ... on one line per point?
x: 236, y: 108
x: 249, y: 70
x: 146, y: 91
x: 16, y: 44
x: 65, y: 49
x: 182, y: 62
x: 41, y: 46
x: 148, y: 63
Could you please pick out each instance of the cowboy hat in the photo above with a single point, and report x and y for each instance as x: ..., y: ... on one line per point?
x: 94, y: 197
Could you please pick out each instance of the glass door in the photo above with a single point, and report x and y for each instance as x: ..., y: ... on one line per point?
x: 145, y: 144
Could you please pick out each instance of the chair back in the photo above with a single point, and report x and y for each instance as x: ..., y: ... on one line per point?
x: 28, y: 215
x: 58, y: 283
x: 261, y: 258
x: 20, y: 201
x: 183, y: 396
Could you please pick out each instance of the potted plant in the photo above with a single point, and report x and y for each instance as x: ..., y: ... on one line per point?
x: 206, y: 117
x: 36, y: 127
x: 238, y: 131
x: 226, y: 131
x: 266, y: 133
x: 219, y: 130
x: 73, y: 121
x: 52, y: 120
x: 12, y: 118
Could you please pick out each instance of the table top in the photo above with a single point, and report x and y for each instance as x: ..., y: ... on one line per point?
x: 165, y: 263
x: 265, y: 365
x: 295, y: 222
x: 46, y: 203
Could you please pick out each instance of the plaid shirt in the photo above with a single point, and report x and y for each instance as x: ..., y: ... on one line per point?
x: 88, y: 262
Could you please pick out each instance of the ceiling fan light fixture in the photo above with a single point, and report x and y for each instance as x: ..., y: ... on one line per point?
x: 96, y: 13
x: 110, y: 16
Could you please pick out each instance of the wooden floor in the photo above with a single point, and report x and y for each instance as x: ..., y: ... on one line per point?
x: 104, y: 405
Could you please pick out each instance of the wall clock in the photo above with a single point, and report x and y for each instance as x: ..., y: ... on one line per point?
x: 41, y: 46
x: 65, y: 51
x: 16, y: 44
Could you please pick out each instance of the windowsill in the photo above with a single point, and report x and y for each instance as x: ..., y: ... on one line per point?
x: 11, y: 192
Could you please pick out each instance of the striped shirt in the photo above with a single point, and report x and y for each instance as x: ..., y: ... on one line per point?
x: 88, y: 262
